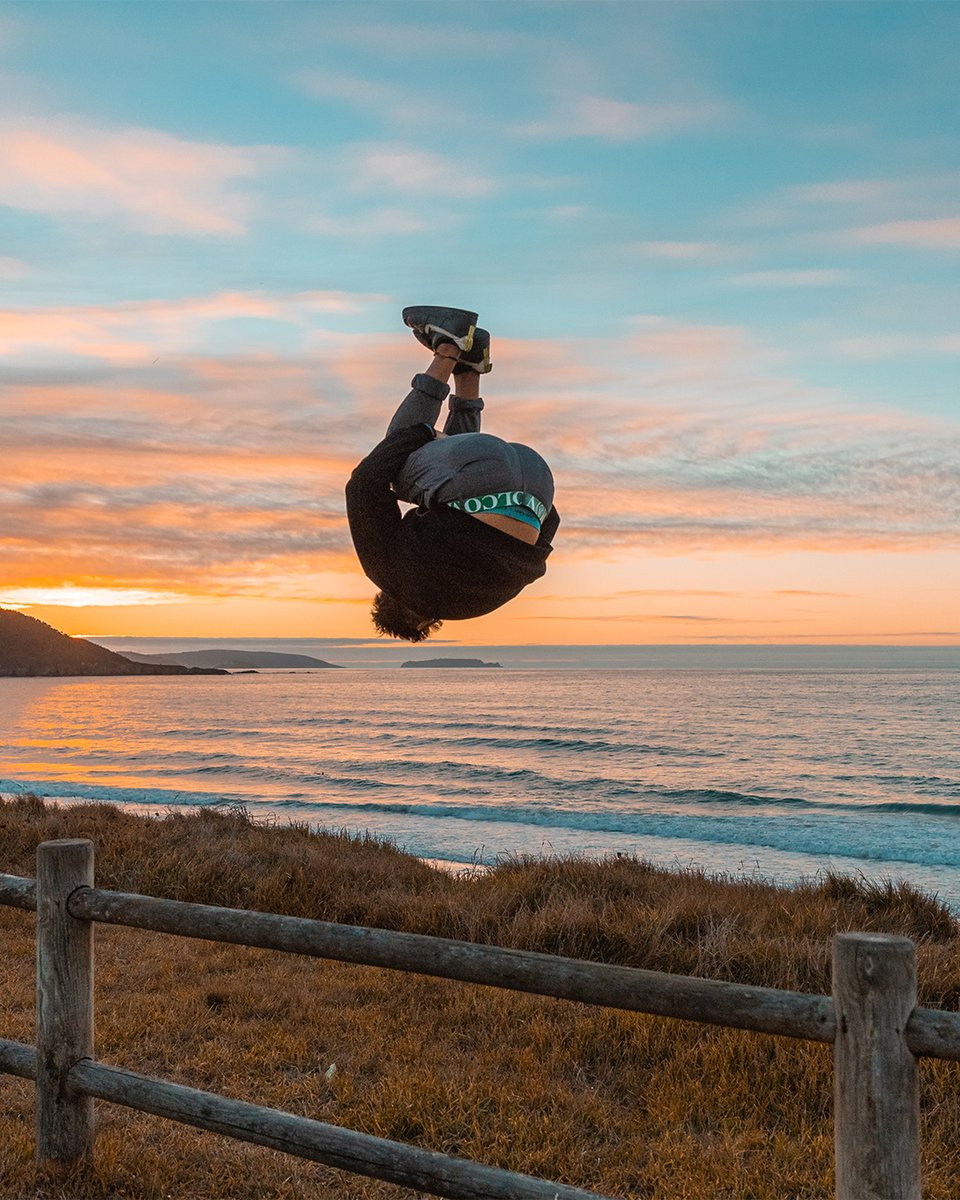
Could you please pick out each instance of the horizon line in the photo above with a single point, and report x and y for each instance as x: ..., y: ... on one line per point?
x: 373, y: 644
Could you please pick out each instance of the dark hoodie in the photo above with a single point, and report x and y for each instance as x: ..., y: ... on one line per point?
x: 441, y: 563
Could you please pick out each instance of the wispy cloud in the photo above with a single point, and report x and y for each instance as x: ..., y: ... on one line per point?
x: 938, y: 233
x: 808, y: 592
x: 857, y: 192
x: 812, y: 277
x: 402, y: 40
x: 624, y: 593
x: 612, y: 120
x: 652, y: 618
x: 13, y: 268
x: 687, y: 252
x: 132, y: 330
x: 71, y: 596
x: 152, y: 181
x: 396, y: 167
x: 877, y: 347
x: 396, y: 105
x: 914, y: 210
x: 699, y: 443
x: 375, y: 223
x: 661, y: 337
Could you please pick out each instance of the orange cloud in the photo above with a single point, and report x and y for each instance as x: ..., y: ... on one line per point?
x: 659, y: 337
x: 222, y: 477
x: 69, y: 331
x: 153, y: 181
x: 130, y: 330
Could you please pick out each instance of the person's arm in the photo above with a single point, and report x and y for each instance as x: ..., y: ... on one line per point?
x: 372, y: 509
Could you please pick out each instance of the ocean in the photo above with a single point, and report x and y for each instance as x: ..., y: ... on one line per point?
x: 777, y: 770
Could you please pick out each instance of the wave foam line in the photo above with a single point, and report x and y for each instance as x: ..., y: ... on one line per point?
x: 876, y: 840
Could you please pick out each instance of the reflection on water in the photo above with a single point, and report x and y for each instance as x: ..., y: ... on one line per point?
x: 785, y: 772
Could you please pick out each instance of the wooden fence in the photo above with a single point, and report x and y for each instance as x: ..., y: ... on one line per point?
x: 872, y: 1020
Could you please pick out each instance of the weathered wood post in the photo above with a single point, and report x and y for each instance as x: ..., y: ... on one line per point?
x: 876, y: 1092
x: 64, y: 1004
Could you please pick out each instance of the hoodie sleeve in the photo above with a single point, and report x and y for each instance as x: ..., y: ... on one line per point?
x: 372, y: 509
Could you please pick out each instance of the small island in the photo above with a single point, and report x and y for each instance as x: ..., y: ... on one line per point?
x: 448, y: 662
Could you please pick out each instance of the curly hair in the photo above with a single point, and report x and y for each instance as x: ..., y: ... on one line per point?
x: 393, y: 619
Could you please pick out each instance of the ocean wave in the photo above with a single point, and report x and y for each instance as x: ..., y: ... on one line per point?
x: 841, y: 838
x: 541, y: 743
x: 213, y: 731
x: 865, y: 832
x: 373, y: 724
x: 56, y: 789
x: 269, y: 779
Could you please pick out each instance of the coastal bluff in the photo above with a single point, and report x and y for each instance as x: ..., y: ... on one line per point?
x: 448, y: 662
x: 29, y: 647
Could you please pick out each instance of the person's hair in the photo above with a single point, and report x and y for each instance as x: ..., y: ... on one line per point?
x: 393, y: 619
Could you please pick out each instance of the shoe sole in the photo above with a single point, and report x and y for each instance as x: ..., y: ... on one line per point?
x: 430, y: 319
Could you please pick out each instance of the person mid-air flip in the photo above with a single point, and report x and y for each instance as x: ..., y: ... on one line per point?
x: 484, y: 517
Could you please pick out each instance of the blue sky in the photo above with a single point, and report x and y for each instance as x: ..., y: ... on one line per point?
x: 720, y: 239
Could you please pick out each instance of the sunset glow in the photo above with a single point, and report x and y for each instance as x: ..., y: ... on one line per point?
x: 724, y: 308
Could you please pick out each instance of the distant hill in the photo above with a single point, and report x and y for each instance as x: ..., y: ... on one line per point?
x: 30, y: 647
x: 237, y: 659
x: 448, y: 662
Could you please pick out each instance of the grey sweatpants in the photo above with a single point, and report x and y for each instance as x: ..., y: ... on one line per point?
x: 466, y: 462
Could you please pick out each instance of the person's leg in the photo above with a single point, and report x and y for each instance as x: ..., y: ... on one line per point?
x: 465, y: 405
x: 428, y: 391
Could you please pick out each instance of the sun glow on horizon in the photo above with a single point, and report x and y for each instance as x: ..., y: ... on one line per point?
x: 70, y: 596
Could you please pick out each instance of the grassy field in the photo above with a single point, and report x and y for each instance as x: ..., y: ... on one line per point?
x: 618, y: 1103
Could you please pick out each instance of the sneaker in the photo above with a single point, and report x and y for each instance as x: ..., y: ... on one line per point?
x: 433, y: 326
x: 477, y: 358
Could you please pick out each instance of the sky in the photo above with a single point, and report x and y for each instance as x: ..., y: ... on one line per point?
x: 716, y: 245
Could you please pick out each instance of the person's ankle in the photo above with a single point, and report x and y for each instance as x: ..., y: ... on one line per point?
x: 445, y: 358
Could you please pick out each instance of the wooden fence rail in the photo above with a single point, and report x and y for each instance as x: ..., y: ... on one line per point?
x: 872, y: 1020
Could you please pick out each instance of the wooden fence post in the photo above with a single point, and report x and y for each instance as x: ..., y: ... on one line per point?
x: 64, y: 1004
x: 876, y: 1092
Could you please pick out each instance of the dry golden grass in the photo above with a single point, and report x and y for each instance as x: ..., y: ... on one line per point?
x: 616, y: 1102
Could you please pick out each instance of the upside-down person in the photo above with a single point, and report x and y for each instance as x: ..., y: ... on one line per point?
x: 484, y: 517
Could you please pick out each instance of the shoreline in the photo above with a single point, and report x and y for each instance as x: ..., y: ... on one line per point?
x: 465, y: 868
